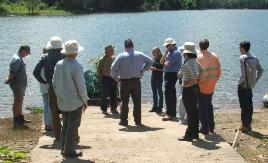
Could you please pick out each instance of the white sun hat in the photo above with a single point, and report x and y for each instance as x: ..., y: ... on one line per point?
x: 72, y: 47
x: 188, y: 47
x: 169, y: 41
x: 55, y: 43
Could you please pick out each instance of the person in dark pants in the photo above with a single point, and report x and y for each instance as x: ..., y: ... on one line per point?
x: 108, y: 84
x: 207, y: 83
x: 251, y: 72
x: 189, y: 73
x: 172, y: 64
x: 48, y: 62
x: 70, y: 89
x: 157, y: 81
x: 128, y: 68
x: 17, y: 80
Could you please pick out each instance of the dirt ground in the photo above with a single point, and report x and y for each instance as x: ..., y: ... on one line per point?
x: 253, y: 146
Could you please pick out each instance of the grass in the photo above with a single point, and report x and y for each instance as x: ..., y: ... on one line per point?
x: 38, y: 110
x: 8, y: 156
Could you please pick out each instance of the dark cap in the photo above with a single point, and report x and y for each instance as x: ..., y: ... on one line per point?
x: 128, y: 43
x: 25, y: 47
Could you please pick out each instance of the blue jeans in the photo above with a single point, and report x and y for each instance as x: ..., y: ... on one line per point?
x: 206, y: 115
x: 246, y: 105
x: 157, y: 91
x: 47, y: 112
x: 170, y: 93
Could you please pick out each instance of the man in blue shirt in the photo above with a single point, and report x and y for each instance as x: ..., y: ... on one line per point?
x: 172, y: 64
x: 129, y: 67
x: 17, y: 81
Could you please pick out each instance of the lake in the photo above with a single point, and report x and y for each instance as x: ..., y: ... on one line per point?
x: 224, y: 28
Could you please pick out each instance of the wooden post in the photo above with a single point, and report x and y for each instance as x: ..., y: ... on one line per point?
x: 237, y: 138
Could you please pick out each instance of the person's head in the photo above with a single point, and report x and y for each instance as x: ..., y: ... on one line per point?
x: 188, y: 50
x: 169, y: 43
x: 204, y: 44
x: 128, y: 44
x: 109, y: 50
x: 55, y: 43
x: 71, y: 49
x: 24, y: 50
x: 244, y: 47
x: 156, y: 52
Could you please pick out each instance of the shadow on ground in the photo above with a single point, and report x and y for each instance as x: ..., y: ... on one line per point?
x: 76, y: 160
x: 141, y: 128
x: 114, y: 116
x: 257, y: 135
x: 210, y: 142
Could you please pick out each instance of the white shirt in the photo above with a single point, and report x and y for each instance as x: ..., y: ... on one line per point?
x: 69, y: 85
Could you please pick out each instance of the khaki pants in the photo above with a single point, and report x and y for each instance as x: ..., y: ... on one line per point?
x: 55, y: 113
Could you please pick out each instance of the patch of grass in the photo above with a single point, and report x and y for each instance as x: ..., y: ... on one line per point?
x: 7, y: 155
x: 37, y: 110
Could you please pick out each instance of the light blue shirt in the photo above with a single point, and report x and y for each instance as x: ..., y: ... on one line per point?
x: 69, y: 85
x: 174, y: 60
x: 130, y: 64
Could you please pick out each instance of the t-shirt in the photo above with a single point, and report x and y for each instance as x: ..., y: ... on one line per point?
x: 190, y: 70
x: 157, y: 74
x: 18, y: 68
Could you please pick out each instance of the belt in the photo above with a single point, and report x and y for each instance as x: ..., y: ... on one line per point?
x: 130, y: 79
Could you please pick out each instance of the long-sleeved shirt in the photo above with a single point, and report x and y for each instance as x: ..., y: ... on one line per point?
x: 104, y: 66
x: 18, y: 68
x: 69, y: 85
x: 251, y: 71
x: 48, y: 62
x: 174, y: 61
x: 130, y: 64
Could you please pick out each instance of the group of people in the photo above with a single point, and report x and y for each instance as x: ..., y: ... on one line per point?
x: 64, y: 91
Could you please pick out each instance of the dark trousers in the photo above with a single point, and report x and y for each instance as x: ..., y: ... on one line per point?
x: 170, y: 93
x: 130, y: 87
x: 205, y: 110
x: 156, y: 85
x: 246, y: 105
x: 109, y: 89
x: 71, y: 122
x: 55, y: 112
x: 189, y: 97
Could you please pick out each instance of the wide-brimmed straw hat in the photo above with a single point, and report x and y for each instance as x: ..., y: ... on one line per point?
x: 169, y: 41
x: 72, y: 47
x: 55, y: 43
x: 188, y: 47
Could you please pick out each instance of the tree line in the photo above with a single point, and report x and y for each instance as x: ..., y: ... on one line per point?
x: 88, y: 6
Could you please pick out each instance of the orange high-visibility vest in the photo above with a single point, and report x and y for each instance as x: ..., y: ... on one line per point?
x: 211, y: 73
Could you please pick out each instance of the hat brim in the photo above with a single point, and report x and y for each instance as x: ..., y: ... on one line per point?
x: 165, y: 44
x: 49, y: 46
x: 80, y: 49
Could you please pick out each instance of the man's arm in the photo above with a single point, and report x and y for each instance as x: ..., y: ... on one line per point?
x: 81, y: 86
x: 115, y: 68
x: 260, y: 70
x: 148, y: 63
x: 99, y: 68
x: 37, y: 71
x: 13, y: 68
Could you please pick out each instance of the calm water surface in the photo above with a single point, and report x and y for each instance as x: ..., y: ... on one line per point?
x: 224, y: 29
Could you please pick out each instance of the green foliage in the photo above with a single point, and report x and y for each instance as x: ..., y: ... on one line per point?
x: 9, y: 156
x: 37, y: 110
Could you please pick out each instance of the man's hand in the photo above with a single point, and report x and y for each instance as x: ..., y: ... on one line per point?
x: 84, y: 107
x: 7, y: 81
x: 153, y: 69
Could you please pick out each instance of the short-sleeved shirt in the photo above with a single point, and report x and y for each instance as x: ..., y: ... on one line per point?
x: 18, y: 68
x: 174, y: 61
x: 157, y: 74
x: 190, y: 70
x: 104, y: 66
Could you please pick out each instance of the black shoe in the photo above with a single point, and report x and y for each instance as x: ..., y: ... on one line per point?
x: 104, y: 112
x: 153, y: 109
x: 196, y: 136
x: 114, y: 111
x: 159, y: 110
x: 186, y: 138
x: 73, y: 154
x: 123, y: 124
x: 203, y: 132
x: 23, y: 120
x: 138, y: 123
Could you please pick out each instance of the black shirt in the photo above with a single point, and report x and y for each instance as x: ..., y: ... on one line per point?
x: 157, y: 74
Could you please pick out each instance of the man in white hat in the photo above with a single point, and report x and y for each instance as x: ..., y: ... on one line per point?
x: 70, y: 88
x: 172, y: 64
x: 48, y: 62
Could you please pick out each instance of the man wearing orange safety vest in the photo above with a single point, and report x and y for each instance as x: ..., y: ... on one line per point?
x: 207, y: 83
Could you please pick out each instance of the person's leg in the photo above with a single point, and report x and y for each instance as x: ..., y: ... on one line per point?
x: 210, y: 114
x: 105, y: 85
x: 243, y: 100
x: 136, y: 97
x: 160, y: 93
x: 167, y: 93
x: 203, y: 113
x: 55, y: 113
x: 155, y: 97
x: 124, y: 93
x: 47, y: 112
x: 250, y: 96
x: 113, y: 95
x: 173, y: 95
x: 73, y: 123
x: 63, y: 131
x: 18, y: 94
x: 182, y: 111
